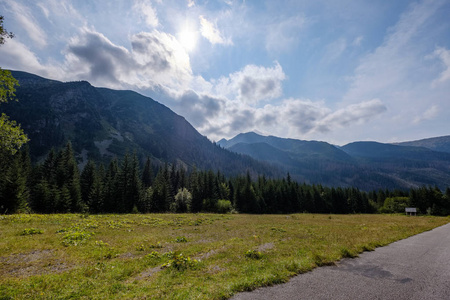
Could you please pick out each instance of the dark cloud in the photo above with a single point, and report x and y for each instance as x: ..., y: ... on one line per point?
x: 152, y: 50
x: 268, y: 119
x: 156, y: 59
x: 198, y: 109
x: 100, y: 56
x: 251, y: 88
x: 242, y: 120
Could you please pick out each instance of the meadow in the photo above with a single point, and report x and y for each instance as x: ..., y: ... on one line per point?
x: 180, y: 256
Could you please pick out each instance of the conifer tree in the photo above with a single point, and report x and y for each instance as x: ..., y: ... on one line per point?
x: 110, y: 193
x: 194, y: 184
x: 87, y: 181
x: 72, y: 178
x: 147, y: 174
x: 161, y: 192
x: 13, y: 188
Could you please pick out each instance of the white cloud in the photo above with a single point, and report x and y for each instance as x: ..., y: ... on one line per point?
x: 429, y: 114
x: 357, y: 41
x: 147, y: 12
x: 283, y: 35
x: 354, y: 114
x: 444, y: 55
x: 26, y: 19
x: 391, y: 67
x: 334, y: 50
x: 190, y: 3
x: 17, y: 56
x: 211, y: 33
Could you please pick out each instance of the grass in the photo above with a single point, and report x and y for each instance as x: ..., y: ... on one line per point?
x: 190, y: 256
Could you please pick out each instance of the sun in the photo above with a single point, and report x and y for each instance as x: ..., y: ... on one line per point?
x: 188, y: 35
x: 188, y: 39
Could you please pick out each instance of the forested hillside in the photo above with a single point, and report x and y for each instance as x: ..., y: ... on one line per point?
x: 365, y: 165
x: 103, y: 123
x: 57, y: 186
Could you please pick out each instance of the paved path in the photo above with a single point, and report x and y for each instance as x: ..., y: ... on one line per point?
x: 413, y: 268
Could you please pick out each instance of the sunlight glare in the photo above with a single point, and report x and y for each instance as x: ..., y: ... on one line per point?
x: 188, y: 39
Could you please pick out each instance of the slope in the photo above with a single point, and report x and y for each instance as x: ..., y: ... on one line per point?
x: 104, y: 123
x: 441, y: 143
x: 366, y: 165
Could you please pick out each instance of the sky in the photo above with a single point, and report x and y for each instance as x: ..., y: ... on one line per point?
x: 334, y: 71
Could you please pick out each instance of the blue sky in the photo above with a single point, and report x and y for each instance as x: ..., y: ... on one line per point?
x: 336, y: 71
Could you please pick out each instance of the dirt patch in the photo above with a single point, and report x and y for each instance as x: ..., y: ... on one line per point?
x: 33, y: 263
x: 265, y: 247
x: 145, y: 274
x: 127, y: 255
x: 215, y: 269
x: 206, y: 255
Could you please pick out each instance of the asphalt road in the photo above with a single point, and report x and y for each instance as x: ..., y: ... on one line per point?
x: 413, y: 268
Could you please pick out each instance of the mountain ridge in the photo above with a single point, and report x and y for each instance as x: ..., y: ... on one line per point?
x: 104, y: 123
x: 360, y: 164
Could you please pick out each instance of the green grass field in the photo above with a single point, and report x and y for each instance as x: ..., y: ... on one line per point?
x: 189, y: 256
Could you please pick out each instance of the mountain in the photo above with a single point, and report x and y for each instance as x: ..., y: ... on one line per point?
x: 366, y: 165
x: 103, y: 123
x: 441, y: 144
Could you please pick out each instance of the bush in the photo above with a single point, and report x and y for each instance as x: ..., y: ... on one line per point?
x: 31, y: 231
x: 395, y: 205
x: 224, y: 206
x: 181, y: 239
x: 180, y: 262
x: 76, y: 238
x: 183, y: 201
x: 253, y: 254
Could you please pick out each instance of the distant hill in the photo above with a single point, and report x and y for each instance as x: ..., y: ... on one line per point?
x: 367, y: 165
x: 104, y: 123
x: 441, y: 144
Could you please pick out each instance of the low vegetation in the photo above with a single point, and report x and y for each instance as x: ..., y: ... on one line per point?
x: 180, y: 256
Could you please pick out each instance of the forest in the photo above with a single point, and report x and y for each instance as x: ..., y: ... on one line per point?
x: 56, y: 185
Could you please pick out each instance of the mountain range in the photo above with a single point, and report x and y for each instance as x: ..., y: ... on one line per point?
x: 103, y: 123
x: 366, y: 165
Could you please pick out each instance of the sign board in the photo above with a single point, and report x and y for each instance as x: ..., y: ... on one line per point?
x: 411, y: 210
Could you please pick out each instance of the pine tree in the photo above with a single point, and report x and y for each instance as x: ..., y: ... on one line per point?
x: 161, y: 193
x: 72, y: 178
x: 86, y: 181
x: 110, y: 193
x: 147, y: 174
x: 14, y: 192
x: 194, y: 187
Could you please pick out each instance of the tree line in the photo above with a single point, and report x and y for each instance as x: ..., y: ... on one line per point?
x: 56, y: 185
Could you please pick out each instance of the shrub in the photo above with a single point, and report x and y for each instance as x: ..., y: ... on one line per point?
x: 181, y: 239
x: 157, y: 245
x: 180, y: 262
x: 183, y: 201
x: 395, y: 205
x: 253, y: 254
x: 76, y: 238
x: 224, y: 206
x: 101, y: 244
x: 31, y: 231
x: 140, y: 248
x: 153, y: 254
